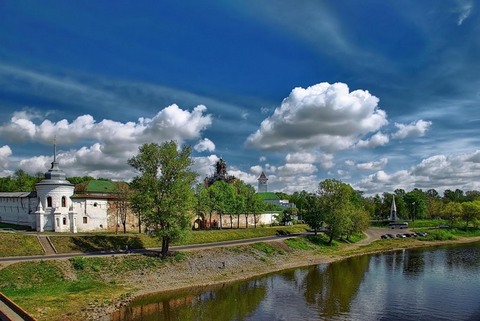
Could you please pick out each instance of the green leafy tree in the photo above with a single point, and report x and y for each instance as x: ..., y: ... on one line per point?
x: 240, y: 206
x: 452, y: 211
x: 358, y: 221
x: 164, y: 190
x: 453, y: 196
x: 335, y: 202
x: 254, y: 204
x: 24, y: 182
x: 201, y: 207
x: 377, y: 203
x: 300, y: 201
x: 415, y: 201
x: 472, y: 196
x: 434, y: 204
x: 222, y: 198
x: 313, y: 214
x: 471, y: 212
x: 286, y: 216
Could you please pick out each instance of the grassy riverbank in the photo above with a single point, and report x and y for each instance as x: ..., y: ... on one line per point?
x: 86, y: 288
x: 20, y: 244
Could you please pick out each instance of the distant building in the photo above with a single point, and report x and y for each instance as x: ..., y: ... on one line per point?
x: 262, y: 183
x: 220, y: 174
x: 272, y: 198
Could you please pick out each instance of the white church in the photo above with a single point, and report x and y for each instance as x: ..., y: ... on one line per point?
x: 57, y: 206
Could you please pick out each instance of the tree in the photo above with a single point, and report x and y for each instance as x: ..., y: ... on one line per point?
x: 470, y: 212
x: 121, y: 204
x: 240, y: 206
x: 472, y: 196
x: 434, y: 204
x: 254, y: 204
x: 313, y: 215
x: 358, y: 221
x: 335, y: 202
x: 201, y: 205
x: 453, y: 196
x: 452, y: 211
x: 416, y: 204
x: 164, y: 190
x: 222, y: 198
x: 300, y: 201
x: 286, y: 216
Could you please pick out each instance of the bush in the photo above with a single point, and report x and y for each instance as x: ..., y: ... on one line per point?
x: 439, y: 235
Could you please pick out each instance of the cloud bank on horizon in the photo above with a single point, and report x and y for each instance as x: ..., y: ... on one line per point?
x: 378, y: 106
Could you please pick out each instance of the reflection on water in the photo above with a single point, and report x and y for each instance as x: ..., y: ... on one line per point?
x: 421, y: 284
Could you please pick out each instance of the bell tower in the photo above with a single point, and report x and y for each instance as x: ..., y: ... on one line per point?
x: 262, y: 183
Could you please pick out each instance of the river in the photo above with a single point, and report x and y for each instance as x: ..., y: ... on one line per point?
x: 441, y: 283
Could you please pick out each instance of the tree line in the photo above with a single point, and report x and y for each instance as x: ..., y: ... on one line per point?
x: 165, y: 199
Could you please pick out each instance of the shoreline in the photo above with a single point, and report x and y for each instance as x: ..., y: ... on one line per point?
x: 226, y: 265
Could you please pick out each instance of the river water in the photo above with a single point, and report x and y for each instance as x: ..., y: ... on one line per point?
x: 441, y: 283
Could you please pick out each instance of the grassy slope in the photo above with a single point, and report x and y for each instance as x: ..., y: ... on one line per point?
x: 89, y: 243
x: 16, y: 244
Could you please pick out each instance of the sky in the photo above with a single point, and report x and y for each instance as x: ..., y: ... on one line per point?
x: 382, y: 95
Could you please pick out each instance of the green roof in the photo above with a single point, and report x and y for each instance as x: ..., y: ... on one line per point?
x: 96, y: 186
x: 268, y: 196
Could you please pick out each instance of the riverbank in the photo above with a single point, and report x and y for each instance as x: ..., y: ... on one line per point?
x: 224, y: 265
x: 92, y: 288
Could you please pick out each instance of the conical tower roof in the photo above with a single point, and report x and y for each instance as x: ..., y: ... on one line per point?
x: 263, y: 176
x: 54, y: 176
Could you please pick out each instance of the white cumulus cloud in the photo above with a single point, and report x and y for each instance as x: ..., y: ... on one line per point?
x: 439, y: 172
x: 108, y: 144
x: 5, y: 152
x: 378, y: 139
x: 375, y: 165
x: 324, y: 116
x: 414, y: 129
x: 204, y: 145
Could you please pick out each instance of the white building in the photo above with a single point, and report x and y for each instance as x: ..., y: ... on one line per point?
x: 59, y: 206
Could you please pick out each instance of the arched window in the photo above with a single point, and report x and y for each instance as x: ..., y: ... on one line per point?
x: 49, y: 201
x: 64, y: 201
x: 64, y: 221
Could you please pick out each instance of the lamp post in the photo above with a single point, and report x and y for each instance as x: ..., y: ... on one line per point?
x: 413, y: 218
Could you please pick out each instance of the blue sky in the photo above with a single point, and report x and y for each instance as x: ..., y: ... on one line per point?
x: 379, y: 94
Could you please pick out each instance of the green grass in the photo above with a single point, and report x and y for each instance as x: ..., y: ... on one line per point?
x: 426, y: 223
x: 47, y: 289
x: 96, y: 242
x: 113, y: 242
x: 200, y: 237
x: 17, y: 244
x: 267, y: 248
x: 439, y: 235
x: 299, y: 243
x: 29, y: 283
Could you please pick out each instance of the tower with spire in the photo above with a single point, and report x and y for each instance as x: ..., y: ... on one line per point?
x: 55, y: 208
x: 262, y: 183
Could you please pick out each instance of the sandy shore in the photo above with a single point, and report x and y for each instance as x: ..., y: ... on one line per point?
x: 223, y: 265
